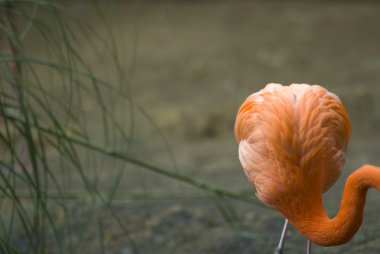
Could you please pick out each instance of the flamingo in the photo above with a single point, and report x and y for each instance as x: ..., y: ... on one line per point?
x: 292, y: 143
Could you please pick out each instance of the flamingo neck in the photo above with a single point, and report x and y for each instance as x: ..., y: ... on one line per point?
x: 314, y: 223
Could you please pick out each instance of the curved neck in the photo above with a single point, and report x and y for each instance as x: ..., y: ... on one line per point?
x: 314, y: 223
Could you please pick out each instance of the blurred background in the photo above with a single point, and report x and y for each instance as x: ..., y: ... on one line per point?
x: 117, y: 119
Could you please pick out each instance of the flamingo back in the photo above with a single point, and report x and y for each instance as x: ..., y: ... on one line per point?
x: 292, y: 138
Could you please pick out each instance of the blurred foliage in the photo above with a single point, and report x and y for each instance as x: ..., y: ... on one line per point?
x: 47, y: 139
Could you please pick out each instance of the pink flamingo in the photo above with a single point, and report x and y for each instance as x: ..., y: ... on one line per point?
x: 292, y: 143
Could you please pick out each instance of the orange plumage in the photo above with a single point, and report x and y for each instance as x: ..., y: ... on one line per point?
x: 292, y: 143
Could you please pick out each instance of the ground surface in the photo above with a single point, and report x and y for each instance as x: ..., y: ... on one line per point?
x: 196, y: 61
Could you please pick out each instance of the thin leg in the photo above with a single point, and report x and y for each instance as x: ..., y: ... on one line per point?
x: 280, y: 246
x: 308, y: 250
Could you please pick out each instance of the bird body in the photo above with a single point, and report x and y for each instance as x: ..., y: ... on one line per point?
x: 292, y: 144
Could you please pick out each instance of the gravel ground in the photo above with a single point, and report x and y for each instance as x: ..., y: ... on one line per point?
x: 196, y: 61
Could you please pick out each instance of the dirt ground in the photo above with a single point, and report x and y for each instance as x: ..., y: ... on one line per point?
x: 190, y: 65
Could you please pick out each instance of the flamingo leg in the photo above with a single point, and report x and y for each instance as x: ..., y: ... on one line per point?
x: 280, y: 246
x: 308, y: 249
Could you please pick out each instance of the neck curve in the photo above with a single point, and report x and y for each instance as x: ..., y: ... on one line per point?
x: 313, y: 222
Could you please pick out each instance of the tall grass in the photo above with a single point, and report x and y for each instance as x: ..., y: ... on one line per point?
x: 53, y: 151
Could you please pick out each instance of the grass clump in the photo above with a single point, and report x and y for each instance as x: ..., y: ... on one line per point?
x: 63, y: 126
